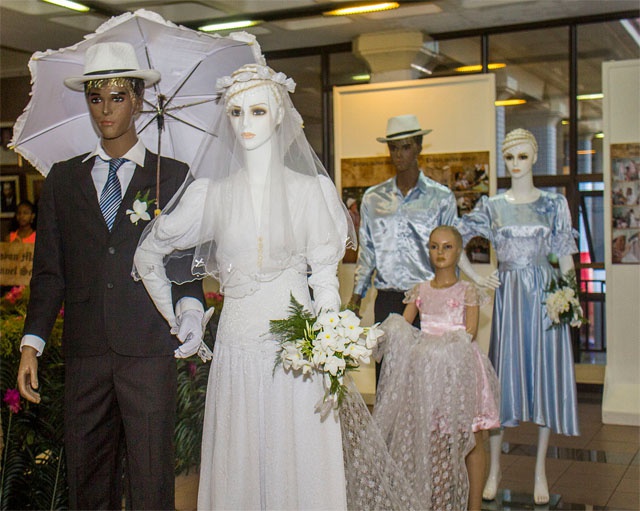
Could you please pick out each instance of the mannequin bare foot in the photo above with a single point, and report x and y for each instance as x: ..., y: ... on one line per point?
x: 491, y: 486
x: 541, y: 490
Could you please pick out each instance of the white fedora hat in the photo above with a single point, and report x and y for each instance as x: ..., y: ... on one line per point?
x: 402, y: 126
x: 111, y: 60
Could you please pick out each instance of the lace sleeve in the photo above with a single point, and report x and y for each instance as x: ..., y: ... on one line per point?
x: 412, y: 295
x: 475, y: 296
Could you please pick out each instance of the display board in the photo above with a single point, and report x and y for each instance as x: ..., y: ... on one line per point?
x: 621, y: 104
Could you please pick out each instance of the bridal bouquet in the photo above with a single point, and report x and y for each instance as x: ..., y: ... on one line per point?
x: 562, y: 303
x: 330, y: 344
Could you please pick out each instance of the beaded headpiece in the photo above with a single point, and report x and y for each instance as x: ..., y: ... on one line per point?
x: 519, y: 136
x: 241, y: 80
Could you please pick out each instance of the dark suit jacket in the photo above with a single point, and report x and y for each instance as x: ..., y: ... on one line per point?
x: 79, y: 262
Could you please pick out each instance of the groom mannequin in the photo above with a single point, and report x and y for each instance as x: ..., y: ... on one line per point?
x: 120, y: 372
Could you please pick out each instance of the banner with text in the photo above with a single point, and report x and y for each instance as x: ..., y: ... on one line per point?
x: 16, y: 261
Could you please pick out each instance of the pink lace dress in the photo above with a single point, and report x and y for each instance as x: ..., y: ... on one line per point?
x: 436, y: 389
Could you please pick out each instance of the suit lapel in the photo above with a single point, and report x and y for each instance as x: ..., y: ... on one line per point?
x: 88, y: 188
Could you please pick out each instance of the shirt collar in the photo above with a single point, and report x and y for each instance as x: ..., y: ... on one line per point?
x: 136, y: 154
x: 421, y: 184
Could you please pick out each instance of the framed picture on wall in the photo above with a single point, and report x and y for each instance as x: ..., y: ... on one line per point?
x: 10, y: 196
x: 625, y: 203
x: 34, y: 187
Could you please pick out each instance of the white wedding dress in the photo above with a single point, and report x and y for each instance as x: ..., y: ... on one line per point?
x: 264, y: 445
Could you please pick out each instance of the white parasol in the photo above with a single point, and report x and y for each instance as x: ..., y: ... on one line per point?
x: 178, y: 109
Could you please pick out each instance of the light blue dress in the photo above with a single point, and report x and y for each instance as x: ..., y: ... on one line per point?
x: 534, y: 363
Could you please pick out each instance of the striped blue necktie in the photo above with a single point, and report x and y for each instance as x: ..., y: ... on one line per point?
x: 111, y: 195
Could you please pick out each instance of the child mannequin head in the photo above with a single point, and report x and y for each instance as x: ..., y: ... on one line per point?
x: 445, y: 248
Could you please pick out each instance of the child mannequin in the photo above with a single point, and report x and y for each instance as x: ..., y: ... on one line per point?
x: 525, y: 225
x: 438, y: 427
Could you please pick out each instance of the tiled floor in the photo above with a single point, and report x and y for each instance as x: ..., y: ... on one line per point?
x: 598, y: 470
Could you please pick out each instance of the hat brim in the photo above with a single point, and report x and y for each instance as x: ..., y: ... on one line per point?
x: 150, y: 76
x: 403, y: 135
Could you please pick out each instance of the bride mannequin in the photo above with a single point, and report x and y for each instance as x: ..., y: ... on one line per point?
x: 262, y: 217
x: 534, y: 363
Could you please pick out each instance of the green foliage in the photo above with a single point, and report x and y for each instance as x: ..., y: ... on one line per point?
x: 33, y: 471
x: 295, y: 326
x: 192, y: 388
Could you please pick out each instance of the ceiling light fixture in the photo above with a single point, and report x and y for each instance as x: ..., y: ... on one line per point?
x: 422, y: 69
x: 363, y: 9
x: 231, y: 25
x: 67, y: 4
x: 584, y: 97
x: 478, y: 67
x: 510, y: 102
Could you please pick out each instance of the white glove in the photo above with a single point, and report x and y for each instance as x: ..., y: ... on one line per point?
x: 190, y: 333
x: 490, y: 281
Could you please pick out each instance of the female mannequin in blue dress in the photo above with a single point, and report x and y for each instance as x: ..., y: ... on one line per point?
x: 534, y: 362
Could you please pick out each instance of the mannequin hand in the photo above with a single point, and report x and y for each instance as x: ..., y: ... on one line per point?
x: 28, y: 375
x: 190, y: 332
x: 491, y: 281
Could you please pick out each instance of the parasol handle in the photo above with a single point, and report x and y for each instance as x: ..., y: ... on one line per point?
x: 160, y: 120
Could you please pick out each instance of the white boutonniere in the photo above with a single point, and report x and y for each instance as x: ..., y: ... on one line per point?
x: 140, y: 208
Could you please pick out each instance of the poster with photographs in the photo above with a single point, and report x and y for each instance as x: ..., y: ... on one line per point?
x: 466, y: 174
x: 625, y: 203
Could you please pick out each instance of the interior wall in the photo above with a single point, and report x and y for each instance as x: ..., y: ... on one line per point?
x: 461, y: 113
x: 621, y: 399
x: 14, y: 96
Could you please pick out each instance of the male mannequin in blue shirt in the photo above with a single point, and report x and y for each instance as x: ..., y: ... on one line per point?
x: 396, y: 219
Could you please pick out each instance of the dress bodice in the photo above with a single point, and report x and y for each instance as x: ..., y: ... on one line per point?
x: 443, y: 310
x: 522, y: 234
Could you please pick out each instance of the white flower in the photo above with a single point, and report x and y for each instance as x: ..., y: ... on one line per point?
x: 373, y: 332
x: 139, y: 212
x: 350, y: 325
x: 291, y: 357
x: 334, y: 364
x: 325, y: 320
x: 358, y: 353
x: 328, y: 339
x: 319, y: 355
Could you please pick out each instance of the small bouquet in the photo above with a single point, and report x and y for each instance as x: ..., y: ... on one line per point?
x: 330, y: 344
x: 562, y: 303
